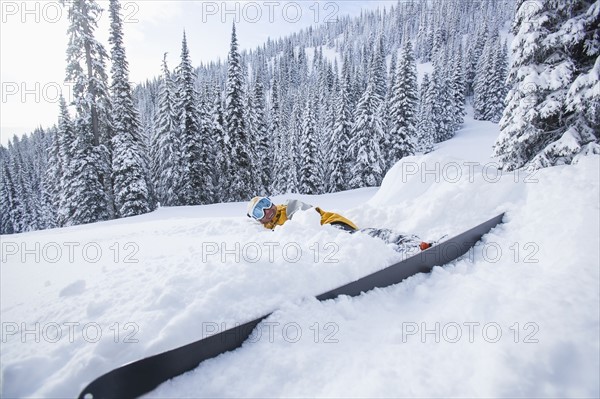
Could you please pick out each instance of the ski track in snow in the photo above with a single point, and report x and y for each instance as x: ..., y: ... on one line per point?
x: 539, y: 269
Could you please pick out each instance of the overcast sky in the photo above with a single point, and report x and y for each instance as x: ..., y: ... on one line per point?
x: 33, y: 43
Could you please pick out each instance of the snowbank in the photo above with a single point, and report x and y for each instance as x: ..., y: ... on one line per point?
x: 517, y: 316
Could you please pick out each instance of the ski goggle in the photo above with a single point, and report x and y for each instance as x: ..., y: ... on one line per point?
x: 258, y: 210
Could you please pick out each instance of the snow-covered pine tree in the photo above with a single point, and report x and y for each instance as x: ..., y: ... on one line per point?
x: 440, y: 35
x: 364, y: 60
x: 485, y: 83
x: 145, y: 99
x: 165, y: 144
x: 366, y: 135
x: 66, y: 137
x: 457, y: 86
x: 7, y: 195
x: 84, y: 194
x: 27, y: 214
x: 324, y: 117
x: 21, y: 184
x: 388, y: 98
x: 424, y: 39
x: 189, y: 125
x: 222, y: 146
x: 44, y: 182
x: 378, y: 69
x: 283, y: 64
x: 278, y: 142
x: 299, y: 68
x: 242, y: 176
x: 129, y: 163
x: 553, y: 80
x: 250, y: 118
x: 37, y: 158
x: 290, y: 176
x: 446, y: 124
x: 425, y: 123
x: 208, y: 143
x: 90, y: 189
x: 497, y: 82
x: 339, y: 162
x: 438, y: 112
x: 582, y: 102
x: 24, y: 186
x: 263, y: 138
x: 53, y: 176
x: 502, y: 70
x: 476, y: 46
x: 66, y: 148
x: 349, y: 73
x: 403, y: 107
x: 309, y: 179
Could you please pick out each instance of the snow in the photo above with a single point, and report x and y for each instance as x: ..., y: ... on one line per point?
x: 518, y: 316
x: 423, y: 69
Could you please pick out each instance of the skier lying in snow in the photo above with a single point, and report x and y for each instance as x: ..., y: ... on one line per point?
x: 270, y: 215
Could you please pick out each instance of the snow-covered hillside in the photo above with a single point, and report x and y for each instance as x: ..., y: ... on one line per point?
x: 516, y: 317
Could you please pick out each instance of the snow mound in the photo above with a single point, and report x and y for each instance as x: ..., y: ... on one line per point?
x: 518, y: 316
x: 80, y: 301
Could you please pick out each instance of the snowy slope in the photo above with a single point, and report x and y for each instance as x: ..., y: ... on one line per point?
x: 517, y: 316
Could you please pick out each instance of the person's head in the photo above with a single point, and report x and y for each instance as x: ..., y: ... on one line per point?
x: 261, y: 209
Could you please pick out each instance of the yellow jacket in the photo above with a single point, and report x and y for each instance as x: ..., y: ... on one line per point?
x: 326, y: 218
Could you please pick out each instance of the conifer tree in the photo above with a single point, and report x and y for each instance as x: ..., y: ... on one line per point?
x: 263, y: 138
x: 242, y: 176
x: 551, y: 115
x: 367, y: 132
x: 208, y: 142
x: 339, y: 162
x: 166, y: 144
x: 388, y: 97
x: 129, y: 163
x: 279, y: 142
x: 474, y: 54
x: 425, y: 123
x: 22, y: 173
x: 378, y: 69
x: 403, y: 107
x: 189, y: 126
x: 66, y: 149
x: 21, y: 211
x: 309, y: 178
x: 84, y: 195
x: 89, y: 188
x: 436, y: 97
x: 290, y: 177
x: 498, y: 95
x: 457, y: 86
x: 11, y: 208
x: 36, y: 159
x: 222, y: 146
x: 53, y: 177
x: 486, y: 84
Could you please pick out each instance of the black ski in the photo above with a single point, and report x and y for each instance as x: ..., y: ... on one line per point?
x: 422, y: 262
x: 142, y: 376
